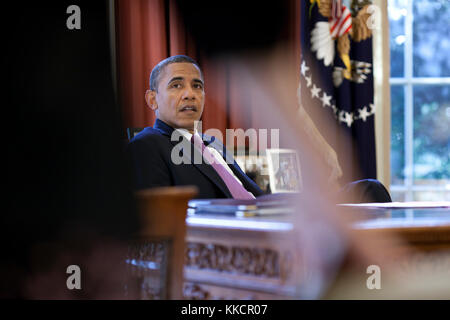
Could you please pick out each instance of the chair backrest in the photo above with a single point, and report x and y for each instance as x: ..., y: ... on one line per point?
x: 132, y: 132
x: 159, y: 250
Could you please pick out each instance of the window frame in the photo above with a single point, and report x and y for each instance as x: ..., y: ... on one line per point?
x: 408, y: 82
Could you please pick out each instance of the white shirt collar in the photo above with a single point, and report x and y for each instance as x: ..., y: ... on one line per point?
x: 187, y: 134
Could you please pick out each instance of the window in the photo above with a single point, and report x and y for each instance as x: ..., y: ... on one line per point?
x: 420, y: 99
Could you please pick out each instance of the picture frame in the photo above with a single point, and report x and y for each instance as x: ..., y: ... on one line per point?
x: 284, y: 171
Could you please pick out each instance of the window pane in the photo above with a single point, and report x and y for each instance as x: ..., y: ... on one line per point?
x: 397, y: 196
x: 431, y: 38
x: 397, y: 135
x: 397, y: 12
x: 431, y: 134
x: 432, y: 196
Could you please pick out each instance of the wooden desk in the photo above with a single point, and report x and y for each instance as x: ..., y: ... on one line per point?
x: 248, y: 258
x: 423, y: 229
x: 238, y: 258
x: 256, y: 258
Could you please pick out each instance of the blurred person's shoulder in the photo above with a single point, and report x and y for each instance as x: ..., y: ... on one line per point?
x: 148, y: 135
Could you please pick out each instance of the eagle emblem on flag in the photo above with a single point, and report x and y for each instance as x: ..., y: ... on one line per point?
x: 341, y: 25
x: 336, y: 85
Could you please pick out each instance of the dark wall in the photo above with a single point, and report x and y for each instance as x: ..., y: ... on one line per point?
x: 233, y: 27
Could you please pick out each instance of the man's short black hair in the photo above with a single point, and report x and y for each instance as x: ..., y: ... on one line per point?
x: 159, y: 68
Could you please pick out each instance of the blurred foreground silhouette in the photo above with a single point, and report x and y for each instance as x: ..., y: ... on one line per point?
x: 68, y: 196
x: 335, y: 257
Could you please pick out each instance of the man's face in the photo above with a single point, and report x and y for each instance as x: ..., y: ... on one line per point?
x: 180, y: 97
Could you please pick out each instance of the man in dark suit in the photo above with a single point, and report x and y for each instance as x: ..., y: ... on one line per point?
x: 163, y: 155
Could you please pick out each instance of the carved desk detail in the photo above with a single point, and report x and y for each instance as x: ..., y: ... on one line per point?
x: 228, y: 258
x: 233, y: 259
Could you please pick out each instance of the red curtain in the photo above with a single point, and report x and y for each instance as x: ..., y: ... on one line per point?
x: 148, y: 31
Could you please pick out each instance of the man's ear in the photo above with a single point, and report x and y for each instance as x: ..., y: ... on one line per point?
x: 150, y: 98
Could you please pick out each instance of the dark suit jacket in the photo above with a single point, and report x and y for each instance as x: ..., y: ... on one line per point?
x: 151, y: 151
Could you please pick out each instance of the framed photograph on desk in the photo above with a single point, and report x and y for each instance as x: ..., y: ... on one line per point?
x: 284, y: 170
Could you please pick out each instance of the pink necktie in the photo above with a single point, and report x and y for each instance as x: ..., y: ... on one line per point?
x: 236, y: 189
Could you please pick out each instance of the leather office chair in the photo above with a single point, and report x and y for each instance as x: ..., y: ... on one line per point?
x: 132, y: 132
x: 156, y: 257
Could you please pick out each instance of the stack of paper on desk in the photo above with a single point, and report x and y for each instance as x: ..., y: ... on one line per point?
x: 401, y: 205
x: 264, y: 205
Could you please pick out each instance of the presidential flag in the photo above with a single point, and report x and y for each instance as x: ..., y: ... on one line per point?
x: 336, y: 77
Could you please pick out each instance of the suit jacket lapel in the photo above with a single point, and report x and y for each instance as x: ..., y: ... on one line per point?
x: 205, y: 168
x: 190, y: 155
x: 246, y: 181
x: 229, y: 159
